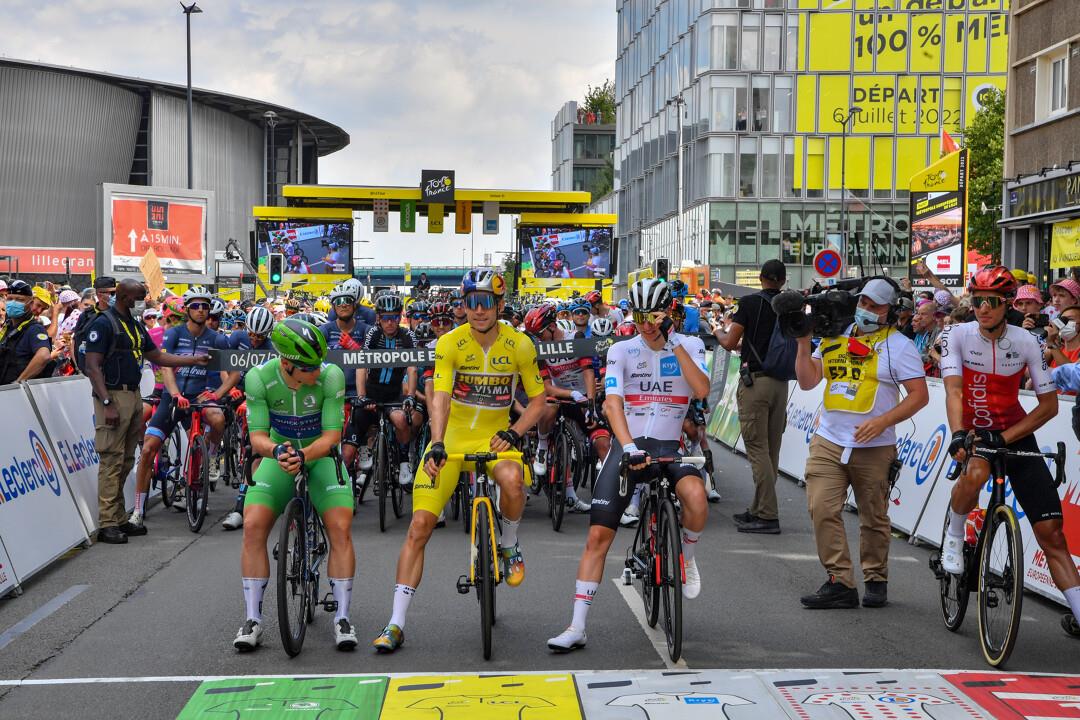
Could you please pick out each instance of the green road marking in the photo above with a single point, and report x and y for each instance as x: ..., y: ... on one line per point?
x: 330, y: 698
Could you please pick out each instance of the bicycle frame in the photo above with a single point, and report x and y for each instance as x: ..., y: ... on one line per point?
x: 481, y: 501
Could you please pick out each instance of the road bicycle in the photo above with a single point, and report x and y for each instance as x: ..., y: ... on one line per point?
x: 299, y: 553
x: 193, y: 484
x: 655, y: 557
x: 386, y: 461
x: 235, y: 446
x: 358, y: 479
x: 567, y: 462
x: 993, y: 559
x: 484, y: 570
x: 168, y: 464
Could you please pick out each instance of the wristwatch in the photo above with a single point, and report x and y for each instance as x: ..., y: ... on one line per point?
x: 107, y: 402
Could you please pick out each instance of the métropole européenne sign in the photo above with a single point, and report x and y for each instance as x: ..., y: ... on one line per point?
x: 437, y: 186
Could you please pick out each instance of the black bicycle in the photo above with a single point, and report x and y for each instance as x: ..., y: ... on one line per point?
x: 301, y: 548
x: 566, y: 463
x: 994, y: 562
x: 235, y: 446
x: 387, y: 460
x: 655, y: 558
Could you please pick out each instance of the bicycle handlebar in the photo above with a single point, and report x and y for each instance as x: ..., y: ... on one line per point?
x: 485, y: 457
x: 1058, y: 457
x: 624, y: 464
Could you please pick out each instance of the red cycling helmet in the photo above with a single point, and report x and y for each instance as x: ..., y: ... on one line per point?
x: 539, y: 318
x: 626, y: 329
x: 438, y: 309
x: 593, y: 296
x: 993, y: 278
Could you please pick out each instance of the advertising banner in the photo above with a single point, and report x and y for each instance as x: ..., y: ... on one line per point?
x: 437, y: 186
x: 7, y: 573
x: 47, y: 260
x: 381, y: 218
x: 1065, y: 245
x: 174, y: 228
x: 407, y: 211
x: 939, y: 219
x: 435, y: 218
x: 38, y: 517
x: 491, y: 217
x: 463, y: 217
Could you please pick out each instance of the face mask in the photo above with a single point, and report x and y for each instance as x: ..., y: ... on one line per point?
x: 15, y: 308
x: 866, y: 320
x: 112, y: 300
x: 1069, y: 331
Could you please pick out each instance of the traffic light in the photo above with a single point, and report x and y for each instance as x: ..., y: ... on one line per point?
x: 660, y: 268
x: 276, y: 265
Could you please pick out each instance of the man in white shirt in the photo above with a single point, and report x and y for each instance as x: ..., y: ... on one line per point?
x: 855, y: 444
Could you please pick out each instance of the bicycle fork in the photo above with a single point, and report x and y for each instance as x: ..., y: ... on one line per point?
x: 464, y: 584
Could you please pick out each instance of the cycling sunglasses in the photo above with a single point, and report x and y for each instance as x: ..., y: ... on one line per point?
x: 198, y: 306
x: 993, y: 301
x: 582, y: 311
x: 422, y: 316
x: 642, y: 316
x: 306, y: 368
x: 477, y: 300
x: 456, y: 303
x: 343, y: 301
x: 389, y: 317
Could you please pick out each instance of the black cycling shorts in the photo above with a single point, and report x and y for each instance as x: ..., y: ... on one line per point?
x: 363, y: 419
x: 607, y: 504
x: 1031, y: 481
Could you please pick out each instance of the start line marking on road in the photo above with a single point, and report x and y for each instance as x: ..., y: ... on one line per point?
x: 654, y: 634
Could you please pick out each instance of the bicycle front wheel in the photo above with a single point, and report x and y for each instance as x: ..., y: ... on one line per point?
x: 645, y: 550
x: 381, y: 473
x: 558, y: 473
x: 397, y: 490
x: 198, y: 479
x: 1001, y: 585
x: 292, y: 590
x: 954, y: 591
x: 485, y: 579
x: 671, y: 577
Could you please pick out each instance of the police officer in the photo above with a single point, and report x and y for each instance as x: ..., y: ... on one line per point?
x: 116, y: 344
x: 25, y: 347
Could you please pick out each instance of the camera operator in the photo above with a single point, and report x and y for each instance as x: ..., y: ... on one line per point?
x: 855, y: 444
x: 762, y: 399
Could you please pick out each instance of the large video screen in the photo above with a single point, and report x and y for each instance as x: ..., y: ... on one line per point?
x: 309, y: 248
x: 565, y: 253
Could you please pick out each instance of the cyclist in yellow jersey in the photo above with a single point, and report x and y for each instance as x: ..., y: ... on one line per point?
x: 476, y: 370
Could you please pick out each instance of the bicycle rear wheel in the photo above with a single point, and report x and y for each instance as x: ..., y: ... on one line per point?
x: 381, y: 474
x: 671, y: 577
x: 645, y: 544
x: 198, y: 481
x: 397, y: 490
x: 1001, y: 585
x: 169, y: 468
x: 559, y: 472
x: 485, y: 579
x: 292, y: 591
x: 954, y: 591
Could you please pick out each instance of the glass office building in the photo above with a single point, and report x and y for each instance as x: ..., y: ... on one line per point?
x: 763, y: 87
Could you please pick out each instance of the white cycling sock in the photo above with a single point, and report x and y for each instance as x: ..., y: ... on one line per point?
x: 583, y: 597
x: 509, y: 532
x: 253, y: 595
x: 689, y: 543
x: 1072, y: 596
x: 403, y: 595
x: 140, y: 501
x: 956, y: 523
x: 342, y: 588
x: 542, y: 442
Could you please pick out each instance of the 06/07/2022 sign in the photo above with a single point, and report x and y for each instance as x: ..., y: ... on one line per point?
x: 175, y: 228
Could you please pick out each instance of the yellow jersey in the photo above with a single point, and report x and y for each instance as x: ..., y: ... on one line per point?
x: 481, y: 384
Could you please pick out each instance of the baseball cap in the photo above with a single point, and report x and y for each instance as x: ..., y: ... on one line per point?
x: 150, y: 313
x: 880, y: 291
x: 105, y: 283
x: 906, y: 303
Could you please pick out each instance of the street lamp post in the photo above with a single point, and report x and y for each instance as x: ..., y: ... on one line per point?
x: 189, y: 10
x: 679, y: 104
x: 838, y: 115
x: 271, y: 118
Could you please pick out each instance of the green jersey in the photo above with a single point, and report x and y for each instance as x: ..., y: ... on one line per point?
x: 300, y: 415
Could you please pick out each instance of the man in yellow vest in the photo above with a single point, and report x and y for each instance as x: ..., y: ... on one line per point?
x: 855, y: 443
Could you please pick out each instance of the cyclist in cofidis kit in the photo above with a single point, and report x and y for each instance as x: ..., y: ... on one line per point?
x: 982, y: 365
x: 296, y: 407
x: 477, y: 367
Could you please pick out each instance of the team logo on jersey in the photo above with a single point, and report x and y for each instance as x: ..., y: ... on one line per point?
x: 669, y: 367
x: 501, y: 360
x: 309, y: 401
x: 93, y: 336
x: 611, y: 382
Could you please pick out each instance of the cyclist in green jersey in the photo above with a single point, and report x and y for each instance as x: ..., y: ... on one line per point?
x: 295, y: 408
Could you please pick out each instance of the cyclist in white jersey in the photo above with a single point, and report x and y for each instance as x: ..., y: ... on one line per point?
x: 650, y: 382
x: 982, y: 366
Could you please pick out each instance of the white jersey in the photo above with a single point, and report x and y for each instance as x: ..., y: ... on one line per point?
x: 878, y: 706
x: 678, y: 706
x: 651, y: 383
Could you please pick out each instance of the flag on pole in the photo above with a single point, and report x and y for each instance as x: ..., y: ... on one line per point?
x: 381, y: 221
x: 948, y: 145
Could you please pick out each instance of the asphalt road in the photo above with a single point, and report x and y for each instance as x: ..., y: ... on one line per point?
x: 168, y: 605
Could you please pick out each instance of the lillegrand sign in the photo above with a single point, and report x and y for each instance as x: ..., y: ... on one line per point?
x: 51, y: 260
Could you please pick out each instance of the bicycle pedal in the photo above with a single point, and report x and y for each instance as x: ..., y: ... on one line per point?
x: 991, y: 600
x: 329, y: 604
x: 463, y: 585
x: 627, y: 577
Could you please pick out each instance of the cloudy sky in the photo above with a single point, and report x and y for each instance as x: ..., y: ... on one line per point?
x: 469, y: 85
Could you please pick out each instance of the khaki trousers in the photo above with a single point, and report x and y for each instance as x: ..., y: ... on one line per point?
x: 116, y: 446
x: 827, y: 482
x: 763, y: 416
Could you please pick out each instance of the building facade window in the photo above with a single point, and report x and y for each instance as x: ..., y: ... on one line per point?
x: 1059, y: 85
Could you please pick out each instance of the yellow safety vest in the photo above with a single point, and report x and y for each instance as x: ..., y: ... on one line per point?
x: 851, y: 382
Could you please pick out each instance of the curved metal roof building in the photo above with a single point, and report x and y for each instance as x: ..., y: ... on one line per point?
x: 64, y: 131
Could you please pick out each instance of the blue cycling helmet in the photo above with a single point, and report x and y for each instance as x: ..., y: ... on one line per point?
x: 624, y: 304
x: 579, y: 304
x: 679, y: 289
x: 563, y: 306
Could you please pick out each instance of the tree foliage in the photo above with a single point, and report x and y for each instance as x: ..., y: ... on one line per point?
x: 605, y: 180
x: 985, y: 139
x: 509, y: 270
x: 601, y: 100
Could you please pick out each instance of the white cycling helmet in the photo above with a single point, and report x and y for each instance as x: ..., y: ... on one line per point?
x: 260, y: 321
x: 197, y: 292
x: 650, y: 294
x: 483, y: 280
x: 343, y: 291
x: 566, y: 325
x: 318, y: 318
x: 217, y: 308
x: 602, y: 326
x: 355, y: 286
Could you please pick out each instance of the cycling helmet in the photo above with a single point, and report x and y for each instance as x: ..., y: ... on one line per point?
x: 423, y: 331
x: 593, y: 296
x: 299, y: 342
x: 322, y: 305
x: 539, y: 318
x: 626, y: 329
x: 624, y: 304
x: 650, y: 294
x: 456, y: 294
x: 171, y: 306
x: 292, y: 306
x: 483, y: 280
x: 567, y: 326
x: 197, y: 292
x: 318, y: 319
x: 563, y: 307
x: 994, y: 278
x: 353, y: 286
x: 217, y: 308
x: 601, y: 326
x: 677, y: 308
x: 260, y: 320
x: 388, y: 303
x: 579, y: 304
x: 342, y: 291
x: 679, y: 288
x: 440, y: 309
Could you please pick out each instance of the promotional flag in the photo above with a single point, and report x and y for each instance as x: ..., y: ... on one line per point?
x: 407, y: 210
x: 948, y: 145
x: 463, y: 217
x: 435, y: 218
x: 491, y: 218
x: 382, y: 216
